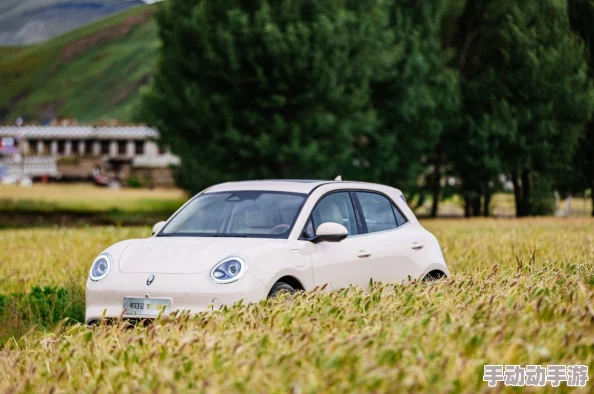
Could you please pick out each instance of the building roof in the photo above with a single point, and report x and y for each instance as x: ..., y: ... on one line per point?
x: 79, y: 132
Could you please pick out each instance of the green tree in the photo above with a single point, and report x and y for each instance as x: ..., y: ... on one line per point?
x: 471, y: 148
x: 266, y: 89
x: 580, y: 174
x: 525, y: 93
x: 416, y: 97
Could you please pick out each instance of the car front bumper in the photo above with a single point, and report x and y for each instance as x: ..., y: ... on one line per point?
x: 188, y: 292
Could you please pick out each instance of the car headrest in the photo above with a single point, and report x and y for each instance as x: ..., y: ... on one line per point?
x: 260, y: 219
x: 330, y: 212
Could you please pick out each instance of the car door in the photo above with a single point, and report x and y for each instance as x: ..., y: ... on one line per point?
x: 394, y: 243
x: 339, y: 264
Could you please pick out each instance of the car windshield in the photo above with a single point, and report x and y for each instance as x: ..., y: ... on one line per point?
x: 262, y: 214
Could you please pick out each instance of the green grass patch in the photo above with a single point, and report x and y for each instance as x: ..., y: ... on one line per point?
x: 41, y: 308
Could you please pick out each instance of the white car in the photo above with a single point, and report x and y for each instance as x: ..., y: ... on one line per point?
x: 251, y: 240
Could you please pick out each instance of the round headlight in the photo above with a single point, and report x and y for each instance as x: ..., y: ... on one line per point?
x: 229, y: 270
x: 100, y: 267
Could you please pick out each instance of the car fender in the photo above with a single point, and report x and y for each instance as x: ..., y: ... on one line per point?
x: 270, y: 264
x: 435, y: 267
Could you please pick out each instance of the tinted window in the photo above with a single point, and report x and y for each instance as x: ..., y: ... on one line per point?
x: 241, y: 213
x: 378, y: 212
x: 336, y: 208
x: 400, y: 219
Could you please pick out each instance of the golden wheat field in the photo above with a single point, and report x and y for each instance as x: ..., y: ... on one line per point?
x: 522, y: 292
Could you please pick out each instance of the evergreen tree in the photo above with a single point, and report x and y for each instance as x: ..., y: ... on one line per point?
x: 525, y: 96
x: 266, y: 89
x: 416, y: 97
x: 471, y: 148
x: 580, y: 174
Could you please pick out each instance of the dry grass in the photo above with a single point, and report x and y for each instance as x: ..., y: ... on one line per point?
x: 54, y: 257
x: 522, y: 292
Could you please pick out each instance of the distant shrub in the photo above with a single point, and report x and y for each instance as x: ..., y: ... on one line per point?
x: 134, y: 182
x: 2, y: 304
x: 139, y: 181
x: 543, y: 199
x: 69, y: 160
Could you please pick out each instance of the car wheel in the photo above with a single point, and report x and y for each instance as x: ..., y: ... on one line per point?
x: 280, y: 288
x: 434, y: 276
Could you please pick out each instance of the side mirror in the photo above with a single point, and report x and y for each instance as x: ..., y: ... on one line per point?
x: 158, y: 227
x: 330, y: 232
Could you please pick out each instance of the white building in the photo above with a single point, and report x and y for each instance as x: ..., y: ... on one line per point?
x: 118, y: 153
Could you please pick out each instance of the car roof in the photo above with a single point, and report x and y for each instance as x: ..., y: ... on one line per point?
x: 285, y: 185
x: 288, y: 185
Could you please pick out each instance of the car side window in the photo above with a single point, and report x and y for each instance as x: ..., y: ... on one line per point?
x: 335, y: 208
x: 400, y: 219
x: 378, y: 212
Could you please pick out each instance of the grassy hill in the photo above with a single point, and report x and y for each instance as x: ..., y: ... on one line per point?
x: 91, y: 73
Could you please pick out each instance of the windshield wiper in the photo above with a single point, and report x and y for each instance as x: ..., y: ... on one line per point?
x: 228, y: 236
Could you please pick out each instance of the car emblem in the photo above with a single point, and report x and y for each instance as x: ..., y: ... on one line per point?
x: 150, y: 280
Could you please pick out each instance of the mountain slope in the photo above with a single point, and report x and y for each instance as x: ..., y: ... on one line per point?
x: 91, y: 73
x: 33, y: 21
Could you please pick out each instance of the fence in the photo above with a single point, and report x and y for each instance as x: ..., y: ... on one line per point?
x: 32, y: 166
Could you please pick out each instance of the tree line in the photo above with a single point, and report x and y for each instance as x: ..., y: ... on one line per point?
x: 435, y: 97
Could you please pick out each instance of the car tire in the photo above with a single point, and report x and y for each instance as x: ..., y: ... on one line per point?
x: 434, y: 276
x: 281, y: 288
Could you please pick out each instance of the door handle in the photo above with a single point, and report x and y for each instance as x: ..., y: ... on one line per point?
x: 417, y: 245
x: 363, y: 254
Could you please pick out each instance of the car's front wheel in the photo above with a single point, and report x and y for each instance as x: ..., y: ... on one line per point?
x: 280, y: 288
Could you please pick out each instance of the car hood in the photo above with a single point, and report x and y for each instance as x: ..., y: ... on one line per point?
x: 181, y: 255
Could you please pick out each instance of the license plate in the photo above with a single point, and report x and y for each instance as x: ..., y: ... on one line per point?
x: 151, y: 307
